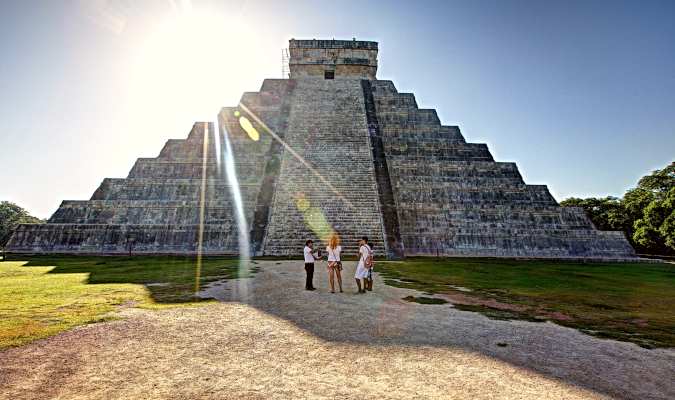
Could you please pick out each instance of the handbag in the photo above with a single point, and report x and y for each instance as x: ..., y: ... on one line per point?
x: 369, y: 258
x: 337, y: 263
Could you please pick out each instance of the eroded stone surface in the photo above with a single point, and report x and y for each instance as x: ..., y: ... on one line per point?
x: 334, y: 149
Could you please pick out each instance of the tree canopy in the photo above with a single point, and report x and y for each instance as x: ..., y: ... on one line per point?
x: 11, y: 215
x: 646, y: 213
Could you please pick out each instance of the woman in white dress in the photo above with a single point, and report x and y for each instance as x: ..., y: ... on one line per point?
x: 361, y: 270
x: 334, y: 262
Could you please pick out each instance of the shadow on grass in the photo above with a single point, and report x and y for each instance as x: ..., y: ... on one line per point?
x: 169, y: 279
x: 631, y: 302
x: 381, y: 318
x: 387, y: 321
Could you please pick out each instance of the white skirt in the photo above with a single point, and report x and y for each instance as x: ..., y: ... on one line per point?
x: 361, y: 271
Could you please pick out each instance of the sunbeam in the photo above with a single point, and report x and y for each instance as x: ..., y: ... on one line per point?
x: 296, y: 155
x: 202, y: 199
x: 242, y: 225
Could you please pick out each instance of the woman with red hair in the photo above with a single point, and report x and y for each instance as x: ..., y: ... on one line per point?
x: 334, y: 262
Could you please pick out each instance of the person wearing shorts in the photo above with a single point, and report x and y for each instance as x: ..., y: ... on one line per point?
x: 334, y: 262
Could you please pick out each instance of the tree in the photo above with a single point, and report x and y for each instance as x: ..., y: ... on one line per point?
x: 11, y: 215
x: 607, y: 214
x: 655, y: 193
x: 660, y: 181
x: 667, y: 229
x: 646, y: 213
x: 656, y: 230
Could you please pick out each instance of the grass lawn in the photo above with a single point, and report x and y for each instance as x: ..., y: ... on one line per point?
x: 42, y: 296
x: 629, y: 302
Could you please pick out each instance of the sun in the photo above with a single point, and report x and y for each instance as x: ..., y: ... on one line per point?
x: 190, y: 63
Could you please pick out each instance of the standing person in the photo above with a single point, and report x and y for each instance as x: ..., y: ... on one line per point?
x: 310, y: 257
x: 334, y: 262
x: 361, y: 270
x: 370, y: 264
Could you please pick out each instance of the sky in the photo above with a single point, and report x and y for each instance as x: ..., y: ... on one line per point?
x: 580, y: 94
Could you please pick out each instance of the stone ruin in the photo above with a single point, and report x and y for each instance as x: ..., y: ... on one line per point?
x: 332, y: 148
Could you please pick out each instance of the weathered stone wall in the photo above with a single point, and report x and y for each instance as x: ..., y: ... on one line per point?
x: 120, y: 239
x: 272, y: 107
x: 453, y: 199
x: 327, y: 128
x: 156, y: 209
x: 346, y: 58
x: 391, y: 227
x: 348, y: 154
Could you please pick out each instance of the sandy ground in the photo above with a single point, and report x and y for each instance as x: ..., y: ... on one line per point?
x: 268, y: 338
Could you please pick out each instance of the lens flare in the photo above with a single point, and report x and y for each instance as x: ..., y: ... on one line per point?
x: 314, y: 218
x: 302, y: 203
x: 393, y: 318
x: 247, y: 126
x: 296, y: 155
x: 242, y: 225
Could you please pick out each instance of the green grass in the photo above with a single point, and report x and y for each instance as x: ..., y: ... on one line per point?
x: 42, y: 296
x: 629, y: 302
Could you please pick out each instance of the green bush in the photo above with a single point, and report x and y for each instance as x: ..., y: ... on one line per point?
x: 646, y: 213
x: 11, y: 215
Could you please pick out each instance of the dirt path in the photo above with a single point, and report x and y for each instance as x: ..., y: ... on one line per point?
x: 270, y: 339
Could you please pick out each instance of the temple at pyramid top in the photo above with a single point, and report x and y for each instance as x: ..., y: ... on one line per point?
x: 332, y: 59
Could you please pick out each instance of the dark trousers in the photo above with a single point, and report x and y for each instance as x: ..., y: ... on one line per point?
x: 309, y: 268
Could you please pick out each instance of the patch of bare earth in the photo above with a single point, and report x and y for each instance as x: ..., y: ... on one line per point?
x: 268, y: 338
x: 458, y: 298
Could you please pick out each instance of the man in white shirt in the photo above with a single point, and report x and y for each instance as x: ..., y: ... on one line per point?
x: 310, y: 257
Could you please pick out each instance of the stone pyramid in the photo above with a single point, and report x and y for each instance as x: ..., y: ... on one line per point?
x: 331, y: 149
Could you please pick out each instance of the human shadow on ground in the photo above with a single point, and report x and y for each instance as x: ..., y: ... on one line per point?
x: 381, y: 318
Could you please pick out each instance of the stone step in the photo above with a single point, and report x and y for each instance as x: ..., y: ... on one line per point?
x: 119, y: 238
x: 327, y: 128
x: 169, y: 189
x: 123, y: 212
x: 394, y: 167
x: 453, y: 199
